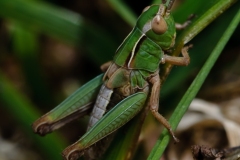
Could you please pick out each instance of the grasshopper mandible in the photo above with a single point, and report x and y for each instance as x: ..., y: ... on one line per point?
x: 131, y: 80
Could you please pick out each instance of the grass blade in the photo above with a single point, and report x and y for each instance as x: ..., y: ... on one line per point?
x: 123, y: 11
x: 25, y: 114
x: 62, y: 24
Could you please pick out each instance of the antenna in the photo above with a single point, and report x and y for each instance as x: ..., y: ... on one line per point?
x: 170, y: 4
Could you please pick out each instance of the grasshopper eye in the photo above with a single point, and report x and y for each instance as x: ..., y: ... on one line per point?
x: 159, y: 25
x: 145, y: 9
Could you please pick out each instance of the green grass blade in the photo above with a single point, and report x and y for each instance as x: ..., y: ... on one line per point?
x: 62, y: 24
x: 25, y: 114
x: 205, y: 19
x: 193, y: 89
x: 26, y: 48
x: 124, y: 11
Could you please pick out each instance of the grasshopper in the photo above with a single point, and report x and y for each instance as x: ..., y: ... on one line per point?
x: 131, y: 81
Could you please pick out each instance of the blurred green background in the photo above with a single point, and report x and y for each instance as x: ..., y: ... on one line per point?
x: 49, y: 48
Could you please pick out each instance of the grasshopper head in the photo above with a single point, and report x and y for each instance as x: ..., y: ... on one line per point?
x: 157, y: 24
x: 153, y: 18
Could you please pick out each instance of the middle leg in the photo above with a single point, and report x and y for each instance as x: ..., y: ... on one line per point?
x: 154, y: 104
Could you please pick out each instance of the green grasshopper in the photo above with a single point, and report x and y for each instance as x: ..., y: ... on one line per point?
x: 131, y: 81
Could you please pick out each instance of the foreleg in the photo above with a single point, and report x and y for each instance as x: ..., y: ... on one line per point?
x: 180, y: 61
